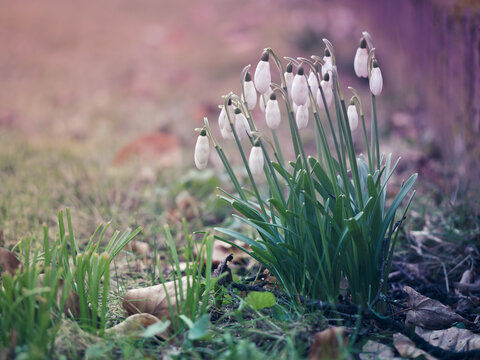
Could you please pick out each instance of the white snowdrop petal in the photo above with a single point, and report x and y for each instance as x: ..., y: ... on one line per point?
x: 352, y: 115
x: 272, y: 114
x: 302, y: 116
x: 250, y: 94
x: 327, y: 66
x: 360, y: 63
x: 312, y: 81
x: 289, y: 82
x: 241, y: 126
x: 376, y: 81
x: 222, y: 118
x: 327, y: 88
x: 299, y: 90
x: 255, y: 161
x: 262, y: 77
x: 202, y: 152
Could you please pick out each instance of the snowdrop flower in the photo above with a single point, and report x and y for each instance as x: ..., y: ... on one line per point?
x: 289, y: 78
x: 223, y: 122
x: 272, y: 112
x: 360, y: 62
x: 313, y: 82
x: 299, y: 87
x: 262, y: 76
x: 202, y: 151
x: 241, y: 124
x: 250, y: 92
x: 264, y: 99
x: 255, y: 161
x: 376, y: 79
x: 302, y: 116
x: 327, y: 88
x: 352, y: 115
x: 328, y: 63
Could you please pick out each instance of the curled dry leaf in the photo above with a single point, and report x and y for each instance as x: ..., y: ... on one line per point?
x: 154, y: 299
x: 429, y: 313
x: 8, y: 262
x: 134, y: 325
x: 140, y: 248
x: 328, y: 344
x: 453, y: 339
x: 373, y: 350
x: 222, y: 249
x: 407, y: 349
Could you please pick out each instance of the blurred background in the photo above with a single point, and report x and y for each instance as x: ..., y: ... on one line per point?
x: 121, y: 82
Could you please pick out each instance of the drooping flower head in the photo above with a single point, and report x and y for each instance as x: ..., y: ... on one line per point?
x: 328, y: 62
x: 223, y: 122
x: 376, y: 79
x: 241, y: 124
x: 262, y: 77
x: 360, y: 63
x: 352, y: 115
x: 300, y: 87
x: 202, y: 150
x: 255, y: 160
x: 301, y: 116
x: 272, y: 112
x: 250, y: 92
x: 327, y: 88
x: 289, y: 79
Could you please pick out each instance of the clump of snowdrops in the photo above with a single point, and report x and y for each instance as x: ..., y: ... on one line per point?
x: 325, y: 216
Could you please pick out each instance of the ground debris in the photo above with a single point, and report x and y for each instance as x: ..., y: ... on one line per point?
x: 429, y: 313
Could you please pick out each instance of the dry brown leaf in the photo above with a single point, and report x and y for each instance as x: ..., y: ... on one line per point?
x: 453, y: 339
x: 154, y: 300
x: 407, y: 349
x: 8, y: 262
x: 159, y: 149
x: 327, y: 344
x: 72, y: 305
x: 134, y: 325
x: 222, y: 249
x: 429, y: 313
x: 373, y: 350
x: 140, y: 248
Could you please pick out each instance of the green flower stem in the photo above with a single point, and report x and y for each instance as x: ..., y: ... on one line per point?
x: 272, y: 172
x: 375, y: 127
x: 245, y: 162
x: 280, y: 68
x: 278, y: 148
x: 224, y: 159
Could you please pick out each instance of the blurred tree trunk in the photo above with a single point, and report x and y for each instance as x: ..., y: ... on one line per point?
x: 435, y: 44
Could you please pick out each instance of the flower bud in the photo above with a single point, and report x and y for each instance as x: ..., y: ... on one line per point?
x: 313, y: 82
x: 255, y: 161
x: 328, y: 63
x: 289, y: 79
x: 202, y: 151
x: 250, y: 92
x: 301, y: 116
x: 327, y: 88
x: 272, y: 112
x: 262, y: 75
x: 376, y: 79
x: 361, y: 58
x: 241, y: 124
x: 299, y: 88
x: 352, y: 115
